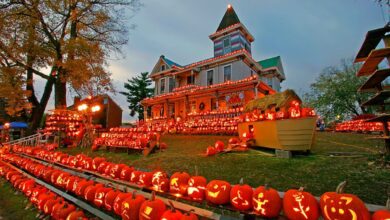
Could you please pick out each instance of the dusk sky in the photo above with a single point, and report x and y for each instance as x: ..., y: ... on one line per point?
x: 309, y: 35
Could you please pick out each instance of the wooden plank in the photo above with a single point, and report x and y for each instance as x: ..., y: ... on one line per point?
x: 371, y: 41
x: 371, y: 64
x: 379, y: 99
x: 379, y: 118
x: 375, y: 80
x: 379, y: 137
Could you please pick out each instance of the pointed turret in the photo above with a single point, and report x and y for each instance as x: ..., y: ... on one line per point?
x: 231, y: 35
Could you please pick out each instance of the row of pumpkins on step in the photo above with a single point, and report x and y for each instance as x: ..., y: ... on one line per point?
x: 263, y: 201
x: 129, y: 206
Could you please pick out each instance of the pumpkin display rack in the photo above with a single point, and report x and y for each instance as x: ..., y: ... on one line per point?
x: 66, y: 121
x: 297, y: 204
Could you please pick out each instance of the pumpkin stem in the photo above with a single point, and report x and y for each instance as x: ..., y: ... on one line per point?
x: 153, y: 196
x: 241, y: 181
x: 266, y: 186
x: 173, y: 209
x: 187, y: 213
x: 301, y: 189
x: 341, y: 186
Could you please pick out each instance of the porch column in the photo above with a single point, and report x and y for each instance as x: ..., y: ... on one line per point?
x: 166, y: 113
x: 216, y: 99
x: 187, y: 106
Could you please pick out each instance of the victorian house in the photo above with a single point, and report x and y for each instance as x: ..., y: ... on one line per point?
x: 228, y: 80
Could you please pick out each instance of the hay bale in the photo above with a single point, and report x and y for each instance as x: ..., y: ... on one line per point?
x: 277, y: 100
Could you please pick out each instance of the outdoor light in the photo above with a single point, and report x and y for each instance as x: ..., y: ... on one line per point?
x: 95, y: 108
x: 6, y: 125
x: 82, y: 107
x: 229, y: 5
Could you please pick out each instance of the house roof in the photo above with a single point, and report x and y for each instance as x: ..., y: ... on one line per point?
x: 169, y: 62
x: 270, y: 62
x: 230, y: 18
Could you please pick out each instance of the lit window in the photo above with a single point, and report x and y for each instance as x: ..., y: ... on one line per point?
x: 227, y: 73
x: 210, y: 76
x: 162, y: 85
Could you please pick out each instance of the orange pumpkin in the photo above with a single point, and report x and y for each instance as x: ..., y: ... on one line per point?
x: 152, y: 209
x: 197, y: 188
x: 160, y: 181
x: 134, y: 177
x: 218, y: 192
x: 300, y: 205
x: 126, y: 173
x: 76, y: 215
x: 119, y: 200
x: 100, y: 195
x: 110, y: 198
x: 266, y: 202
x: 382, y: 214
x: 145, y: 179
x: 219, y: 146
x: 178, y: 183
x: 131, y: 206
x: 171, y: 214
x: 90, y: 191
x: 210, y: 151
x: 241, y: 196
x: 189, y: 216
x: 338, y: 205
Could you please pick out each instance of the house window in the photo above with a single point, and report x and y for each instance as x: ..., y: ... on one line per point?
x: 162, y: 85
x: 269, y: 82
x: 191, y: 80
x: 171, y: 84
x: 210, y: 76
x: 163, y: 67
x: 226, y: 46
x: 227, y: 73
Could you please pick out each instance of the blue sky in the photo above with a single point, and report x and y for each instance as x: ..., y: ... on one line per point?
x: 309, y: 35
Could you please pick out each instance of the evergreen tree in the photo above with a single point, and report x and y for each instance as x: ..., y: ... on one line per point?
x: 138, y: 88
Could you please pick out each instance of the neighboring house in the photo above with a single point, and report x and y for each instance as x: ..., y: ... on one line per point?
x: 110, y: 114
x: 208, y: 84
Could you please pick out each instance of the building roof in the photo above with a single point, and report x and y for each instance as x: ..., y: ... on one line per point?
x: 230, y: 18
x: 169, y: 62
x: 270, y: 62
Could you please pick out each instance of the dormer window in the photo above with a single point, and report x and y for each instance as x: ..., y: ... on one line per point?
x: 226, y: 45
x: 162, y: 67
x: 162, y: 85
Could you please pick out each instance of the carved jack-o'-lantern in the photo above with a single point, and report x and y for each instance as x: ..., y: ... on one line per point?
x: 152, y: 209
x: 210, y: 151
x: 160, y: 181
x: 266, y: 202
x: 178, y: 183
x: 300, y: 205
x: 241, y: 196
x: 382, y: 214
x: 338, y: 205
x: 218, y: 192
x: 197, y: 187
x: 145, y: 179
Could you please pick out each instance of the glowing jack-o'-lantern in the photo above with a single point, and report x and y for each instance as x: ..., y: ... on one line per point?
x: 210, y: 151
x: 131, y: 206
x: 382, y: 214
x: 300, y: 205
x: 178, y: 183
x: 241, y: 196
x: 338, y: 205
x: 160, y: 181
x: 152, y: 209
x: 145, y: 179
x: 266, y: 202
x: 172, y: 214
x: 219, y: 146
x: 218, y: 192
x: 197, y: 187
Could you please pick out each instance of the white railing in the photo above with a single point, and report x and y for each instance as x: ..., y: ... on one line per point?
x: 32, y: 140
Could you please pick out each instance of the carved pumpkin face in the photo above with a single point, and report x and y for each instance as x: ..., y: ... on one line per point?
x: 119, y: 200
x: 343, y: 206
x: 300, y: 205
x: 218, y: 192
x: 131, y: 206
x: 152, y: 209
x: 126, y: 173
x: 241, y: 197
x: 160, y: 181
x: 210, y: 151
x: 178, y: 183
x: 197, y: 187
x: 145, y: 179
x: 219, y: 146
x: 266, y: 202
x: 134, y: 177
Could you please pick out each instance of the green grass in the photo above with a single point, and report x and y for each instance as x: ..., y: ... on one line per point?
x: 12, y: 206
x: 318, y: 172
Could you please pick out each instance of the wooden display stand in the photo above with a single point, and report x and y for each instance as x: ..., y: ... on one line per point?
x: 287, y: 134
x: 372, y: 57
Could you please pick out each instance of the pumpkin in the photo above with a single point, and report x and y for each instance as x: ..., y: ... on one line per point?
x: 145, y: 179
x: 70, y: 182
x: 266, y: 202
x: 126, y: 173
x: 197, y: 187
x: 338, y: 205
x: 160, y: 181
x: 116, y: 170
x: 119, y: 200
x: 300, y: 205
x: 102, y: 167
x: 171, y: 214
x: 152, y: 209
x: 178, y: 183
x: 218, y: 192
x: 109, y: 199
x: 49, y: 204
x: 219, y: 146
x: 131, y: 207
x: 42, y: 199
x: 189, y: 216
x: 234, y: 140
x: 134, y: 177
x: 90, y: 191
x: 76, y: 215
x: 210, y: 151
x: 107, y: 171
x: 382, y: 214
x: 82, y: 185
x: 96, y: 162
x: 99, y: 196
x: 63, y: 211
x: 241, y: 196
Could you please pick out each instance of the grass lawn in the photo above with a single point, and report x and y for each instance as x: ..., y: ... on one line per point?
x: 13, y: 206
x: 319, y: 172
